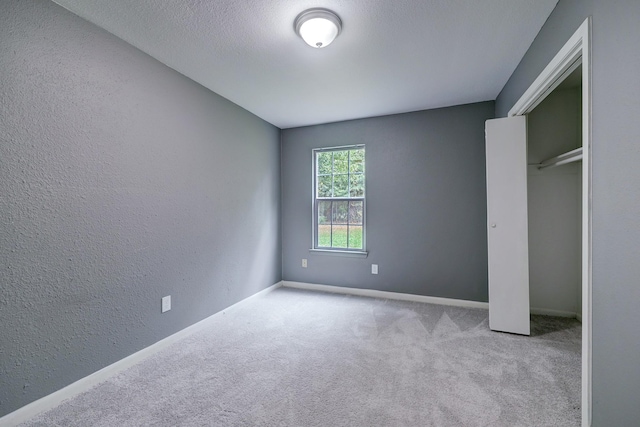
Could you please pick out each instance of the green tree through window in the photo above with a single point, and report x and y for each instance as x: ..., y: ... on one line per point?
x: 339, y: 199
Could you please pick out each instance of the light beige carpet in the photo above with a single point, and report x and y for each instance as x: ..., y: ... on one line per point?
x: 299, y: 358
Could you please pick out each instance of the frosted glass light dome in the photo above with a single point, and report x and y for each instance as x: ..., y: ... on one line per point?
x: 318, y: 27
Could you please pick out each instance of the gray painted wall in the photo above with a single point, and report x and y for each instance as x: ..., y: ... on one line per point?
x: 616, y: 198
x: 426, y: 203
x: 555, y: 204
x: 121, y: 181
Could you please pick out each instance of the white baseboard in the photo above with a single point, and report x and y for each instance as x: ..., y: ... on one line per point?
x: 54, y: 399
x: 555, y: 313
x: 416, y: 298
x: 386, y: 295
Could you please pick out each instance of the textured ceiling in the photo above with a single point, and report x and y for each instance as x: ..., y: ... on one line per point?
x: 392, y: 56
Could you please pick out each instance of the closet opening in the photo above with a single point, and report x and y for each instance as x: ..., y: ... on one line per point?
x: 554, y: 200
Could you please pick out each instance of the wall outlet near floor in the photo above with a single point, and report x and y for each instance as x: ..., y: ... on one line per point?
x: 374, y: 268
x: 304, y: 263
x: 166, y: 303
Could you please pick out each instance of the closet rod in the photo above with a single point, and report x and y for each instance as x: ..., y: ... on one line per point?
x: 571, y: 156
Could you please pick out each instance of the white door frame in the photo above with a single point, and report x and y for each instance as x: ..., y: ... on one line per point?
x: 575, y: 52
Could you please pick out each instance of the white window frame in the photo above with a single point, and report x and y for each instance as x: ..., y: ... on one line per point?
x: 359, y: 252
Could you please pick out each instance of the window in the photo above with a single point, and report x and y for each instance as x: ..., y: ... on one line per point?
x: 339, y: 198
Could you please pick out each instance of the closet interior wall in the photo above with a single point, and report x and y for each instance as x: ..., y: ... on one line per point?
x: 554, y: 204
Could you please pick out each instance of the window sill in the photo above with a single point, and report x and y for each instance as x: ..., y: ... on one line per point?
x: 334, y: 252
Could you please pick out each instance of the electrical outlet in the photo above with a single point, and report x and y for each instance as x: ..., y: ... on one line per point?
x: 374, y: 268
x: 166, y: 303
x: 304, y: 263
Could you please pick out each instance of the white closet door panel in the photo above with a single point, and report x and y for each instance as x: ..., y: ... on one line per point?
x: 506, y: 146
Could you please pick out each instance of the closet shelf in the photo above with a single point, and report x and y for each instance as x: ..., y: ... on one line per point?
x: 568, y: 157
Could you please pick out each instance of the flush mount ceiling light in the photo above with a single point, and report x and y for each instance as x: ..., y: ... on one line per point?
x: 318, y: 27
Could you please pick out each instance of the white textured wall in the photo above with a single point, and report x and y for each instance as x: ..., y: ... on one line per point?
x: 121, y: 181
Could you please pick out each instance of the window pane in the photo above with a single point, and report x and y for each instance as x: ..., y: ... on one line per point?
x: 324, y: 186
x: 324, y: 212
x: 340, y: 185
x: 339, y: 233
x: 339, y: 228
x: 357, y: 185
x: 356, y: 164
x: 355, y: 213
x: 340, y: 213
x: 325, y: 159
x: 324, y: 223
x: 324, y: 236
x: 341, y: 161
x: 355, y: 236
